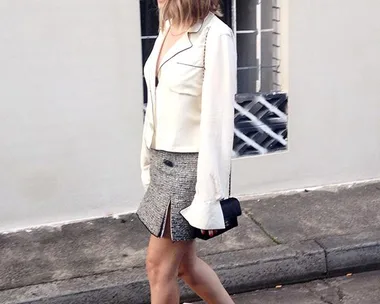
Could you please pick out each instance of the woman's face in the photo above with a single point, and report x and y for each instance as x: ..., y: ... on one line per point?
x: 160, y: 3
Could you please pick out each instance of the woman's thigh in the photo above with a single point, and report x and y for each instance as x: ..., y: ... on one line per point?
x: 165, y: 256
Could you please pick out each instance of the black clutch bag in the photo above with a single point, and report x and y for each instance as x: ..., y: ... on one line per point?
x: 231, y: 211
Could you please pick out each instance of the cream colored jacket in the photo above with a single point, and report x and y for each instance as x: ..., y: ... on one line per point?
x: 191, y: 110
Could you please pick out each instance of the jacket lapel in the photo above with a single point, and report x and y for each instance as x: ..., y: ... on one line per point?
x: 183, y: 44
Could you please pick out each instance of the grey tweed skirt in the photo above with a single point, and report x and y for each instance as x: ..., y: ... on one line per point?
x: 173, y: 178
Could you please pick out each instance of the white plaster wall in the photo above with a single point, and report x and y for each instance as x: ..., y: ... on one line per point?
x: 70, y: 110
x: 334, y: 103
x: 71, y: 96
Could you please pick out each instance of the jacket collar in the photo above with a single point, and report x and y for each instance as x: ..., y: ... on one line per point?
x: 184, y: 43
x: 197, y: 26
x: 181, y: 45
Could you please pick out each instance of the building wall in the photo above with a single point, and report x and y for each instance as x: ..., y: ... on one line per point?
x: 71, y: 96
x: 70, y: 110
x: 334, y: 104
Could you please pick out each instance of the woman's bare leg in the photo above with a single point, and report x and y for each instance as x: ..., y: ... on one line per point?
x: 166, y: 260
x: 202, y: 279
x: 163, y: 260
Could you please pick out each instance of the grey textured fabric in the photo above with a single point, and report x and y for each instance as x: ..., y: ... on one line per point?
x: 173, y: 178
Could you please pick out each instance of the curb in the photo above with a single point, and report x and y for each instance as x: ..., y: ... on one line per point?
x: 239, y: 271
x: 351, y: 253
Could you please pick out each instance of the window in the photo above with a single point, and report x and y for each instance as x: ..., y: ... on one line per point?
x: 255, y: 23
x: 261, y: 119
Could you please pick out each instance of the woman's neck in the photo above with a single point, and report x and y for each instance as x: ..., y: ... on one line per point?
x: 178, y: 29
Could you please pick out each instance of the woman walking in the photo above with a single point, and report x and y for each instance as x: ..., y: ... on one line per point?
x: 187, y: 145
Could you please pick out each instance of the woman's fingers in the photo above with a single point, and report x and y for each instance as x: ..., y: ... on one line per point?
x: 210, y: 232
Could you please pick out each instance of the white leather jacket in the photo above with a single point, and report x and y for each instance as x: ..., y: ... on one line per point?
x: 192, y: 110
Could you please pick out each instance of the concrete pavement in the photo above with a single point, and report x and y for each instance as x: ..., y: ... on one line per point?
x: 282, y: 239
x: 363, y: 288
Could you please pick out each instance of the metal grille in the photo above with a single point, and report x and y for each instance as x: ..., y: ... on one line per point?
x: 260, y: 123
x: 260, y: 115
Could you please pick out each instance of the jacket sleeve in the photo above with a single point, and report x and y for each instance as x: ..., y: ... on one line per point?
x: 145, y: 162
x: 217, y: 132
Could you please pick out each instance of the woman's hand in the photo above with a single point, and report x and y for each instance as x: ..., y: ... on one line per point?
x: 210, y: 232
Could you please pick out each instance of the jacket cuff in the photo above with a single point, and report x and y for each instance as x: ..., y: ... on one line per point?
x: 145, y: 178
x: 204, y: 215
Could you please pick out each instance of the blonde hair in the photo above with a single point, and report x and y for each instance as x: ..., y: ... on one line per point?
x: 187, y: 12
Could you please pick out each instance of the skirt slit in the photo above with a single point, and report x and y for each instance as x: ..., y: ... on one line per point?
x: 173, y: 177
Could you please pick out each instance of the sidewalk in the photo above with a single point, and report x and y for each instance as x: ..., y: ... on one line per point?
x: 283, y: 239
x: 361, y: 288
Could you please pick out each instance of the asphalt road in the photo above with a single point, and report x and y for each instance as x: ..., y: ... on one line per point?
x: 363, y: 288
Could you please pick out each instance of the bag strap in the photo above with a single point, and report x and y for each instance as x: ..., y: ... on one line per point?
x: 204, y: 52
x: 229, y: 188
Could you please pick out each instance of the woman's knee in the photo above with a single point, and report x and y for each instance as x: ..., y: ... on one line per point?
x: 158, y: 272
x: 160, y: 269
